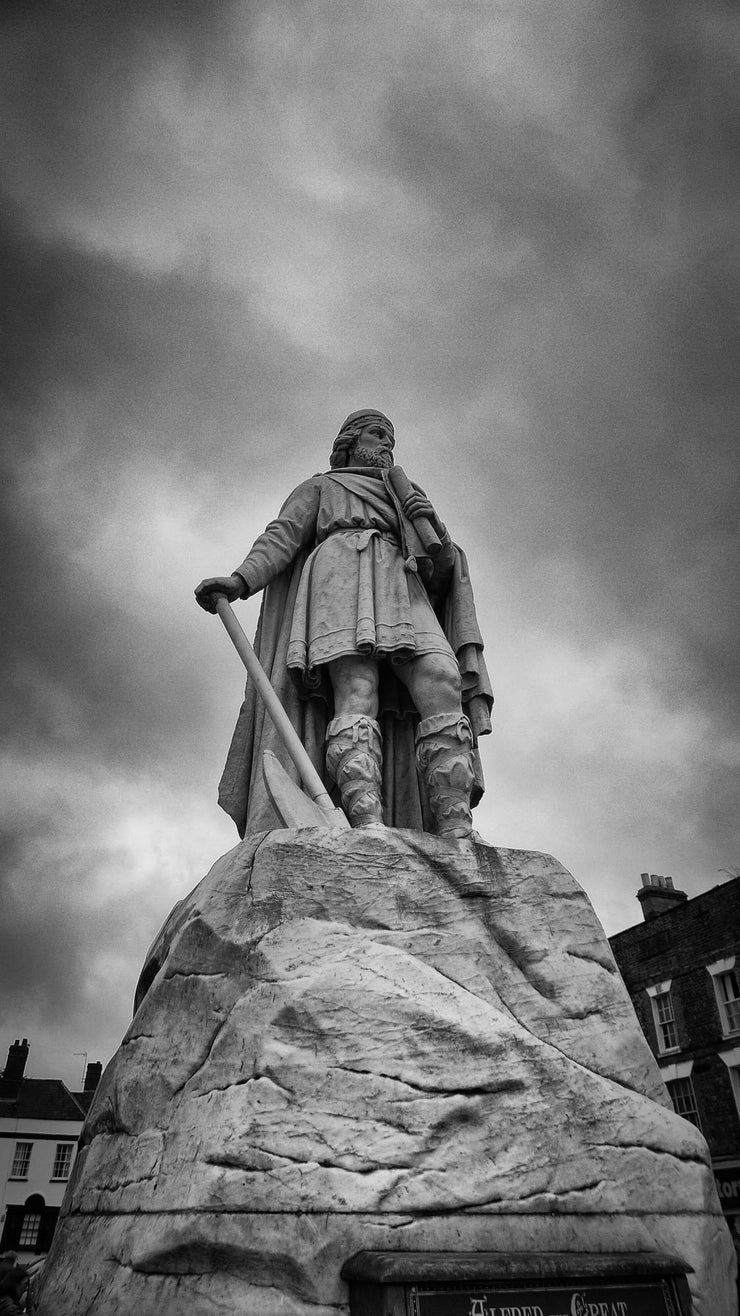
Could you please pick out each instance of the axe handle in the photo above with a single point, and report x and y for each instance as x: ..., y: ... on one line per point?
x: 310, y: 778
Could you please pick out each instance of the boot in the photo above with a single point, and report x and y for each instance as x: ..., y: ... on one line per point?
x: 444, y: 754
x: 354, y: 757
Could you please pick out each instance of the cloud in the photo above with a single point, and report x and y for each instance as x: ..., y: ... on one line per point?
x: 93, y: 860
x: 225, y: 227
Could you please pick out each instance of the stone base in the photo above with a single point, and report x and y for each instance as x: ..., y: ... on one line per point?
x: 374, y: 1040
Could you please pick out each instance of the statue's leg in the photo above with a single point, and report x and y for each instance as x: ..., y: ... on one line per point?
x: 354, y: 746
x: 444, y: 753
x: 444, y: 740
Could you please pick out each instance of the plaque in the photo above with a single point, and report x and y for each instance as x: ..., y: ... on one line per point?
x: 517, y: 1284
x: 649, y: 1298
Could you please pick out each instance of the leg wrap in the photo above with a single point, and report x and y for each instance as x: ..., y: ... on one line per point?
x: 444, y: 754
x: 354, y: 758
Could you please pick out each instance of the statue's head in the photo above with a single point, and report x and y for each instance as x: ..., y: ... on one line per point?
x: 365, y: 439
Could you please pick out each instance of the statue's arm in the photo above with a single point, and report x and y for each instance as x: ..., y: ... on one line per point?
x: 293, y: 529
x: 418, y: 505
x: 280, y: 542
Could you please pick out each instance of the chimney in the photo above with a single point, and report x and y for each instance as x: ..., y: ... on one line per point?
x: 657, y: 895
x: 92, y: 1075
x: 12, y: 1075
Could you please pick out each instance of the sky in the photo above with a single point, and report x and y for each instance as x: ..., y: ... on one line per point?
x: 510, y: 226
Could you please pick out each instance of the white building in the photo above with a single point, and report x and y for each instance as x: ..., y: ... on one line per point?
x: 40, y: 1122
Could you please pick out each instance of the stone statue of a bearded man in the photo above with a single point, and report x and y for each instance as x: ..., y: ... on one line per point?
x: 372, y: 645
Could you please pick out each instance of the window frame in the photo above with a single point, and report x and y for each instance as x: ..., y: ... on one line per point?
x: 62, y: 1167
x: 32, y: 1218
x: 718, y: 972
x: 688, y: 1097
x: 21, y: 1175
x: 681, y: 1073
x: 662, y: 991
x: 732, y: 1060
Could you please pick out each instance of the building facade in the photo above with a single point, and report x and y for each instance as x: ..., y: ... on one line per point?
x: 40, y: 1123
x: 681, y: 966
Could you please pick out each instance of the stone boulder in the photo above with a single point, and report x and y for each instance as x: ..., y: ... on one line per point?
x: 374, y: 1040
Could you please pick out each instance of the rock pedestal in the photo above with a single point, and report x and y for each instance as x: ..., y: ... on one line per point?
x: 374, y: 1040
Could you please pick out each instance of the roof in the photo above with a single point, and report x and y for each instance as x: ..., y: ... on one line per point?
x: 43, y: 1099
x: 717, y: 900
x: 84, y: 1099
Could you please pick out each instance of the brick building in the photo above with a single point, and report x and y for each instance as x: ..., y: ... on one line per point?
x: 682, y: 971
x: 40, y: 1122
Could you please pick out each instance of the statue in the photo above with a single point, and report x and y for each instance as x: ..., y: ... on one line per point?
x: 371, y: 643
x: 344, y: 1038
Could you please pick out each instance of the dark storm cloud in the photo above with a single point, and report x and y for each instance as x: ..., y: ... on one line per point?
x: 228, y: 225
x: 491, y: 173
x: 617, y: 321
x: 81, y: 63
x: 154, y: 369
x: 67, y: 954
x: 170, y: 360
x: 47, y: 926
x: 105, y: 367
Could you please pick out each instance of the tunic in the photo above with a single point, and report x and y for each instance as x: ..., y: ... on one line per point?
x: 356, y: 594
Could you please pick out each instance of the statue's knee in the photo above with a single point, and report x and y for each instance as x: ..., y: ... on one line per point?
x: 355, y: 686
x: 363, y: 698
x: 445, y: 676
x: 435, y: 685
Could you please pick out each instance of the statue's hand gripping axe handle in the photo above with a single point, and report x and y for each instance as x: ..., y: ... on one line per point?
x: 312, y: 783
x: 402, y: 487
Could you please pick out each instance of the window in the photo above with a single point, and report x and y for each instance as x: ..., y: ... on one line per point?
x: 726, y: 982
x: 684, y: 1100
x: 729, y: 990
x: 29, y: 1226
x: 31, y: 1221
x: 666, y: 1022
x: 21, y: 1160
x: 663, y: 1016
x: 732, y: 1060
x: 677, y: 1078
x: 29, y: 1235
x: 62, y: 1160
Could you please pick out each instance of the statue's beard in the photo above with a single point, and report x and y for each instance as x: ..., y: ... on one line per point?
x: 372, y: 457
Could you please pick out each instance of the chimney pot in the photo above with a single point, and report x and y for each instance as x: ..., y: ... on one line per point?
x: 658, y: 895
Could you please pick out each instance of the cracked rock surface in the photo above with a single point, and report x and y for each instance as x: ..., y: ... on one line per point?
x: 374, y: 1040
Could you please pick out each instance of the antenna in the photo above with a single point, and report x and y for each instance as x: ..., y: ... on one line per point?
x: 84, y: 1063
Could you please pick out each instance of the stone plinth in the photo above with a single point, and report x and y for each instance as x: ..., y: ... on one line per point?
x: 374, y: 1040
